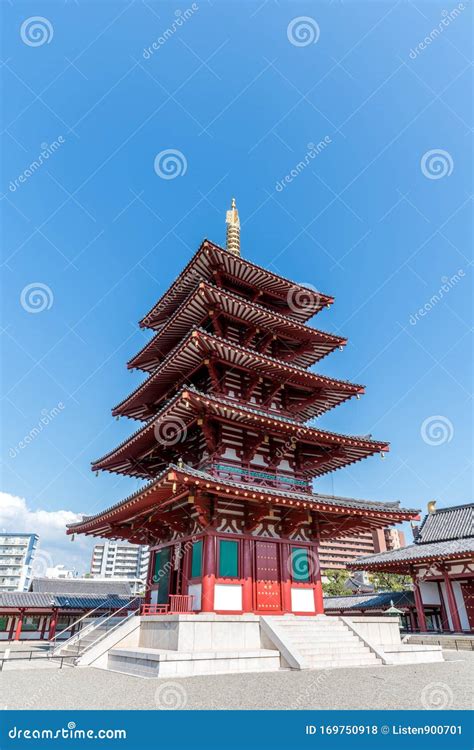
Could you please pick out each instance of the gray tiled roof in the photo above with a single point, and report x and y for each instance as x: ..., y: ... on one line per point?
x: 447, y: 523
x: 369, y: 601
x: 75, y: 586
x: 416, y: 552
x: 30, y: 599
x: 345, y: 502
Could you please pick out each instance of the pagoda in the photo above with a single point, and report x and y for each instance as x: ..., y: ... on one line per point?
x: 228, y: 443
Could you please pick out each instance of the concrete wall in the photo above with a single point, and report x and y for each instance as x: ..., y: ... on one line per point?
x: 381, y: 631
x: 200, y: 632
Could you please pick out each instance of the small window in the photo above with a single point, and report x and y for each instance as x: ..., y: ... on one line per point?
x: 300, y: 565
x: 228, y: 559
x: 196, y: 560
x: 3, y: 623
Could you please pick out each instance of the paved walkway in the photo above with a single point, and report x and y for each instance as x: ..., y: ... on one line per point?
x: 445, y: 685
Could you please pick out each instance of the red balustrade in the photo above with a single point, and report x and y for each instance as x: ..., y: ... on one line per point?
x: 179, y: 604
x: 154, y: 609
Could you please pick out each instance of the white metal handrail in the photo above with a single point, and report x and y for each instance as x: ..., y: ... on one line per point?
x: 80, y: 634
x: 72, y: 625
x: 109, y: 631
x: 77, y: 637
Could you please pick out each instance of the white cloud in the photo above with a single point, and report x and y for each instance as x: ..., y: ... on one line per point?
x: 54, y: 547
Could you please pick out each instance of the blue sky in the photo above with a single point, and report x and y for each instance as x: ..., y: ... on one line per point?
x: 380, y: 219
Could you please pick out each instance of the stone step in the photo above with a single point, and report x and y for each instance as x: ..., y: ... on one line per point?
x: 301, y: 629
x: 353, y: 648
x: 148, y: 662
x: 324, y: 638
x: 364, y: 661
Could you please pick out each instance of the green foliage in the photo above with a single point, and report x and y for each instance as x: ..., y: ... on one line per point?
x: 390, y: 581
x: 335, y: 583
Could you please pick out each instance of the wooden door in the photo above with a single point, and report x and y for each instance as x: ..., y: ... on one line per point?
x: 267, y: 578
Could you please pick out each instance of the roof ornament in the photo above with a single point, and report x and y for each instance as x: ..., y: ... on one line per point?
x: 233, y: 230
x: 432, y: 506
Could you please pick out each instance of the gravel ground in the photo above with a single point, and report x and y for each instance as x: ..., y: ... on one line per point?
x: 442, y: 685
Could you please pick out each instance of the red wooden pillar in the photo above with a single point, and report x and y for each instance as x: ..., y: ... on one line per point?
x: 247, y: 575
x: 412, y: 619
x: 208, y: 573
x: 19, y: 625
x: 315, y: 566
x: 285, y: 577
x: 52, y: 624
x: 453, y: 607
x: 318, y: 586
x: 420, y: 612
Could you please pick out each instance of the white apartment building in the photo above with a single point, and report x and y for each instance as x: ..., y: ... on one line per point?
x: 17, y: 552
x: 120, y: 560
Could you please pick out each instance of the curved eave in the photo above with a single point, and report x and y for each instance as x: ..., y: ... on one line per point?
x: 174, y: 481
x: 194, y: 309
x: 404, y: 566
x: 188, y: 356
x: 211, y: 257
x: 180, y: 410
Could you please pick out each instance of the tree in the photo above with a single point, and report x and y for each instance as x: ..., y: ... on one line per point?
x: 335, y: 583
x: 390, y: 581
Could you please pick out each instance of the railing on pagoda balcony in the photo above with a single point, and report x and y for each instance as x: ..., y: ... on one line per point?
x: 255, y: 476
x: 178, y: 604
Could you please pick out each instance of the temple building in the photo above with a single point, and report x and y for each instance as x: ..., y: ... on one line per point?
x: 229, y: 445
x: 441, y: 564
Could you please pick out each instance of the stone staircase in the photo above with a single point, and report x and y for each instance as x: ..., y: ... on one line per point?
x: 319, y: 642
x: 91, y: 632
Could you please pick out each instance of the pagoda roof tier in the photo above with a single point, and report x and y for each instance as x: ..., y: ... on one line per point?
x: 317, y: 392
x: 303, y: 345
x: 214, y: 262
x: 171, y: 426
x: 126, y: 519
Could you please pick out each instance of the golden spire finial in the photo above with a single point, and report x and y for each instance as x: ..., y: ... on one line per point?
x: 233, y: 229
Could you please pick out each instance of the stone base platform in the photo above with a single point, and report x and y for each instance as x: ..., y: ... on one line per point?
x: 149, y: 662
x: 197, y: 644
x: 181, y: 645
